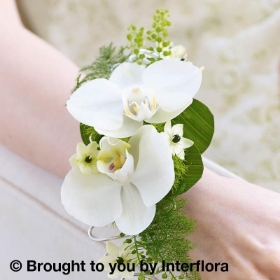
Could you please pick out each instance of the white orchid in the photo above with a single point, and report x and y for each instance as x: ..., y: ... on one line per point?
x: 117, y: 107
x: 175, y: 139
x: 118, y: 255
x: 130, y: 185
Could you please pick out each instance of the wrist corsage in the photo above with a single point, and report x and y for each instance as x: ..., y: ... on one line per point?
x: 143, y: 135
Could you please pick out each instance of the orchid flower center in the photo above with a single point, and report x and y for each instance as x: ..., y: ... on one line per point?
x: 112, y: 155
x: 117, y: 162
x: 176, y: 138
x: 139, y: 103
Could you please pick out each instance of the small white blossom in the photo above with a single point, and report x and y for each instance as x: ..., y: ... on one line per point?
x: 85, y: 158
x: 176, y: 141
x: 178, y: 52
x: 117, y: 256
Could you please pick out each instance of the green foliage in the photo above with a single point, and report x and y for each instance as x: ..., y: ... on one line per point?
x: 159, y: 126
x: 166, y: 238
x: 108, y: 58
x: 198, y: 124
x: 181, y: 171
x: 88, y: 134
x: 187, y: 171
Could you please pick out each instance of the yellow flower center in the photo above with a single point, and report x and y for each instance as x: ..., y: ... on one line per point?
x: 118, y: 163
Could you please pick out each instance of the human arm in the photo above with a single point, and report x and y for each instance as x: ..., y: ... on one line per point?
x: 237, y: 223
x: 35, y: 81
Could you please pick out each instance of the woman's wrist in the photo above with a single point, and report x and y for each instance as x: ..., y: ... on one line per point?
x: 237, y: 223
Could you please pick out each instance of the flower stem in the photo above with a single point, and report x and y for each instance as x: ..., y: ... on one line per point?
x: 136, y: 248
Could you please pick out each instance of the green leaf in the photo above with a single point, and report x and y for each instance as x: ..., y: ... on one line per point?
x: 194, y: 161
x: 198, y: 124
x: 88, y: 133
x: 188, y: 171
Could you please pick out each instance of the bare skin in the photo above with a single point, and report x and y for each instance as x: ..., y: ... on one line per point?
x: 36, y: 80
x: 238, y: 223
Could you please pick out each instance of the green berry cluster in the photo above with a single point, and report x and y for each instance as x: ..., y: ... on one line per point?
x: 159, y: 33
x: 136, y: 41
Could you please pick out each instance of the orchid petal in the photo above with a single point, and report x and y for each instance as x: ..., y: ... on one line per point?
x: 97, y: 103
x: 127, y: 74
x: 123, y: 174
x: 128, y: 128
x: 162, y: 116
x: 135, y: 140
x: 175, y: 82
x: 135, y: 216
x: 94, y: 199
x: 154, y: 169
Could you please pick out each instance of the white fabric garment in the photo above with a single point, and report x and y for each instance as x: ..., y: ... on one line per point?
x: 35, y: 226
